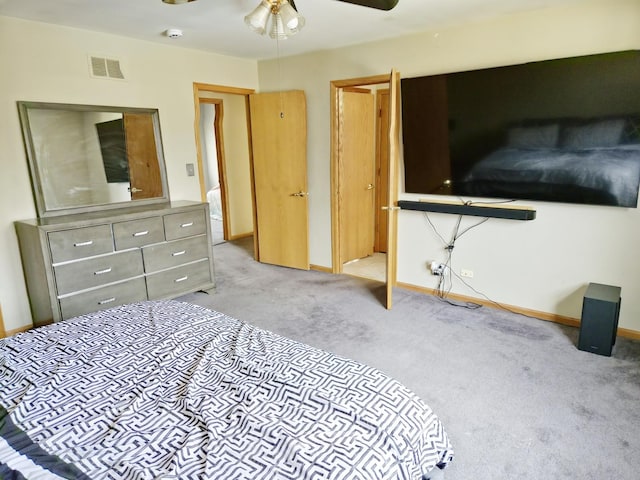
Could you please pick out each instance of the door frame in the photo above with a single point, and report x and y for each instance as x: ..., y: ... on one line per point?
x: 337, y: 162
x: 198, y: 88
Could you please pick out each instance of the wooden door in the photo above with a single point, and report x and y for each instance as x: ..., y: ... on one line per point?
x: 279, y: 148
x: 392, y: 185
x: 382, y: 171
x: 145, y: 179
x: 358, y: 156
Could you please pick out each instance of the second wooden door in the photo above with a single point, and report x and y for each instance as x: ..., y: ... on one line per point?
x: 358, y: 156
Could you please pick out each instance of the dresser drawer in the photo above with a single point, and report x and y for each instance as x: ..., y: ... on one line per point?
x: 171, y: 254
x: 79, y: 243
x: 110, y: 296
x: 179, y: 280
x: 96, y: 271
x: 76, y: 264
x: 136, y: 233
x: 186, y: 224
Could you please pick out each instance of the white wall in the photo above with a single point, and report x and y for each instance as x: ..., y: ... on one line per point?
x: 543, y: 265
x: 47, y: 63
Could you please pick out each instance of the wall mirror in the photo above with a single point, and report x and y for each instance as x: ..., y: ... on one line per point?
x: 84, y: 158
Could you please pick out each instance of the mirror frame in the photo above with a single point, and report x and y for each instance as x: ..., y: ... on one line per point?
x: 24, y: 107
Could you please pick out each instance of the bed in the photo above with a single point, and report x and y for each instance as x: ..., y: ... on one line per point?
x: 171, y: 390
x: 593, y: 162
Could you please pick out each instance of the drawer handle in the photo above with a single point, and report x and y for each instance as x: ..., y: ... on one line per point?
x: 141, y: 234
x: 181, y: 279
x: 185, y: 225
x: 108, y: 300
x: 83, y: 244
x: 101, y: 272
x: 177, y: 254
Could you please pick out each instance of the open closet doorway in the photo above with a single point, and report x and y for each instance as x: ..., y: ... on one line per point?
x: 364, y: 163
x: 364, y: 192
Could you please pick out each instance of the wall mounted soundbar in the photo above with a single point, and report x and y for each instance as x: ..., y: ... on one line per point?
x: 511, y: 212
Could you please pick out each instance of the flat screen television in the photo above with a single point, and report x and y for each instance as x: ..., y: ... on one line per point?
x: 563, y: 130
x: 114, y: 150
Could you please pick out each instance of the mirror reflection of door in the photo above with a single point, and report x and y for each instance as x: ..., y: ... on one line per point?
x: 145, y: 180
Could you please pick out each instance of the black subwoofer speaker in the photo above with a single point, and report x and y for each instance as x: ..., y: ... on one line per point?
x: 599, y: 322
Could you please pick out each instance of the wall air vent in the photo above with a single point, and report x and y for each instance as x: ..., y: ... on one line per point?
x: 101, y: 67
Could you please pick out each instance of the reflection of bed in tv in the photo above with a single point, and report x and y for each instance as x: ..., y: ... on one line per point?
x: 605, y: 175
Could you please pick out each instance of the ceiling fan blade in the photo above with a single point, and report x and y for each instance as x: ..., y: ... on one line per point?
x: 378, y: 4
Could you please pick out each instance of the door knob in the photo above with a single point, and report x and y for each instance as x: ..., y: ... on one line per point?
x: 370, y: 186
x: 135, y: 190
x: 300, y: 194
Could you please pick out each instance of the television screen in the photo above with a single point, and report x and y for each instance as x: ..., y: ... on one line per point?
x: 565, y: 130
x: 114, y: 151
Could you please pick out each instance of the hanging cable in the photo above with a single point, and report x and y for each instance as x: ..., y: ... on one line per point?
x: 445, y: 280
x: 441, y: 290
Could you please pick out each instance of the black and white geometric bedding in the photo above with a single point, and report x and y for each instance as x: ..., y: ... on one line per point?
x: 169, y: 390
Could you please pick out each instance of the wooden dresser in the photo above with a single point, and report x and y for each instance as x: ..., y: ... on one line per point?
x: 81, y: 263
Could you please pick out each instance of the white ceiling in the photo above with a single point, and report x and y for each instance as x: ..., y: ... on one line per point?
x: 218, y: 25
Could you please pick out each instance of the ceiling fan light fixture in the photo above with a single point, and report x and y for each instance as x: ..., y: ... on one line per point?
x: 292, y: 20
x: 258, y: 18
x: 284, y: 18
x: 277, y: 27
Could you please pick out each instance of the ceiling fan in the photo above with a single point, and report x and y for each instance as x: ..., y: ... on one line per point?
x: 377, y: 4
x: 283, y: 18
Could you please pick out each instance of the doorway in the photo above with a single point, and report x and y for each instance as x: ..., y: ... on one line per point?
x: 222, y: 134
x: 362, y: 182
x: 212, y: 150
x: 259, y: 197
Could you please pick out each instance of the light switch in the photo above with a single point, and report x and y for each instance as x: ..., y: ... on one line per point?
x: 190, y: 170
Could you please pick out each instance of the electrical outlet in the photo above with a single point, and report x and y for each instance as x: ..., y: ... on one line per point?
x: 190, y: 170
x: 466, y: 273
x: 437, y: 268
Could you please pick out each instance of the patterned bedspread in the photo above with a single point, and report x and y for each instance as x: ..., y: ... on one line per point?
x: 170, y: 390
